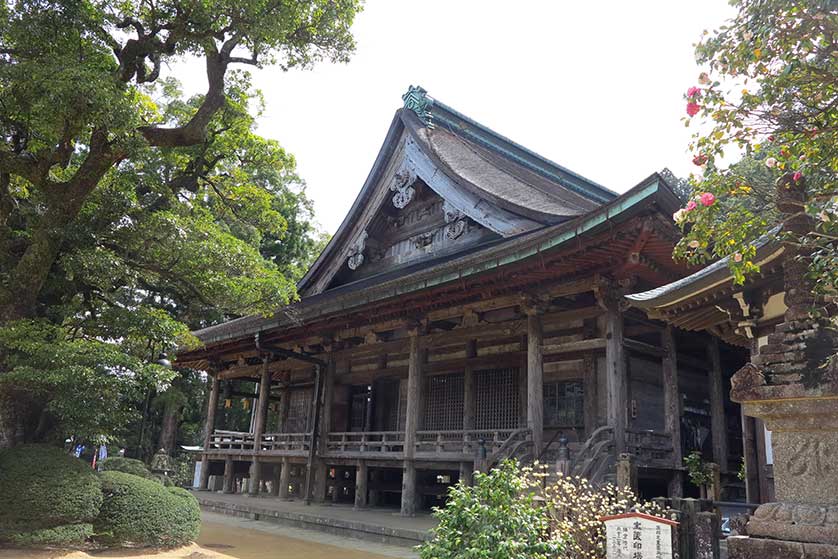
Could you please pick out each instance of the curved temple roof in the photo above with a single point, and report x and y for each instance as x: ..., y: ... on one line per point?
x: 498, y: 183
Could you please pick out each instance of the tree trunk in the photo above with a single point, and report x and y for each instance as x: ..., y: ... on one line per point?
x: 169, y: 427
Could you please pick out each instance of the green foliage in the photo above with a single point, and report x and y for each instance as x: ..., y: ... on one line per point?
x: 770, y: 90
x: 69, y: 535
x: 143, y: 512
x: 497, y: 518
x: 126, y: 465
x: 86, y: 386
x: 130, y: 214
x: 43, y: 488
x: 697, y: 469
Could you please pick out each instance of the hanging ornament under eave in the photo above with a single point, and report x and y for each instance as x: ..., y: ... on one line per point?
x: 228, y: 403
x: 246, y: 404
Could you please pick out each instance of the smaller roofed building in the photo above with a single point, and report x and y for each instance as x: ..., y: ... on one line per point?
x: 742, y: 315
x: 470, y: 308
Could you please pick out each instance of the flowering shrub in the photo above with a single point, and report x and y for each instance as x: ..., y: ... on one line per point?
x: 515, y: 512
x: 575, y: 507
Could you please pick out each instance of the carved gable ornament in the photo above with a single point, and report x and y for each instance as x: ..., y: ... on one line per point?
x: 455, y: 221
x: 356, y: 251
x: 402, y: 185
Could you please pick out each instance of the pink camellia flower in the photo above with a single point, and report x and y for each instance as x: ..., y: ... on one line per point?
x: 770, y: 162
x: 707, y: 199
x: 693, y: 92
x: 737, y: 257
x: 703, y: 78
x: 691, y: 205
x: 797, y: 176
x: 693, y: 108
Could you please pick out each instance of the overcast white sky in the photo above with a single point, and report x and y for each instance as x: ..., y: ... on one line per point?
x: 595, y: 86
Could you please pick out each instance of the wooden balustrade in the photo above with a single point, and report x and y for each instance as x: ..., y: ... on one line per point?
x: 454, y: 444
x: 651, y: 448
x: 365, y: 442
x: 241, y: 442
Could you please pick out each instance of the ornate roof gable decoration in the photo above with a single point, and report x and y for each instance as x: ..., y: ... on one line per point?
x: 402, y: 184
x: 416, y: 99
x: 356, y: 251
x: 455, y: 220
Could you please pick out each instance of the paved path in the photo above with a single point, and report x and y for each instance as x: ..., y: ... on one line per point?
x: 255, y: 539
x: 375, y: 524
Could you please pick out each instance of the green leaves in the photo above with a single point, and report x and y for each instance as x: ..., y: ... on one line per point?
x: 497, y: 518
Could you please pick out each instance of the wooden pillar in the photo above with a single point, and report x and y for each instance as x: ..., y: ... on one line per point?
x: 414, y: 396
x: 749, y: 453
x: 229, y: 475
x: 672, y: 407
x: 284, y: 408
x: 589, y: 393
x: 277, y: 474
x: 373, y: 493
x: 321, y: 476
x: 469, y: 396
x: 535, y: 379
x: 361, y: 477
x: 259, y: 429
x: 284, y: 479
x: 212, y: 406
x: 615, y: 374
x: 467, y: 473
x: 718, y: 423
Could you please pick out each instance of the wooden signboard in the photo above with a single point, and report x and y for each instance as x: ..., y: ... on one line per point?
x: 635, y: 535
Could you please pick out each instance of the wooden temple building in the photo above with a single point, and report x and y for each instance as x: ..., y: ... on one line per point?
x: 470, y: 308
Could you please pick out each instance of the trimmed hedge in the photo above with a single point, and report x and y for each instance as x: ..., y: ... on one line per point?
x: 126, y: 465
x: 141, y: 512
x: 43, y: 487
x: 69, y: 535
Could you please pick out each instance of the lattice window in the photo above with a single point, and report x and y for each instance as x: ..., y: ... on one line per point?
x: 443, y: 403
x: 386, y: 405
x: 299, y: 404
x: 498, y: 403
x: 564, y: 404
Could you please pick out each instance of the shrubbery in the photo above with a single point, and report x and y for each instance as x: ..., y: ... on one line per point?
x: 126, y: 465
x: 139, y: 511
x: 497, y: 518
x: 46, y: 496
x: 68, y: 535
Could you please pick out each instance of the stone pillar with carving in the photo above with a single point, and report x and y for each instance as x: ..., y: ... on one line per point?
x: 792, y: 385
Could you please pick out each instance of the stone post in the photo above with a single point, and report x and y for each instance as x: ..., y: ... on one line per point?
x: 626, y: 472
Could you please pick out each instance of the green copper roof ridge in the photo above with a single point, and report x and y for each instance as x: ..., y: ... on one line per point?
x: 598, y: 192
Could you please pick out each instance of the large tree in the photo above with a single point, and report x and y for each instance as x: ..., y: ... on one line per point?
x: 770, y: 91
x: 128, y: 213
